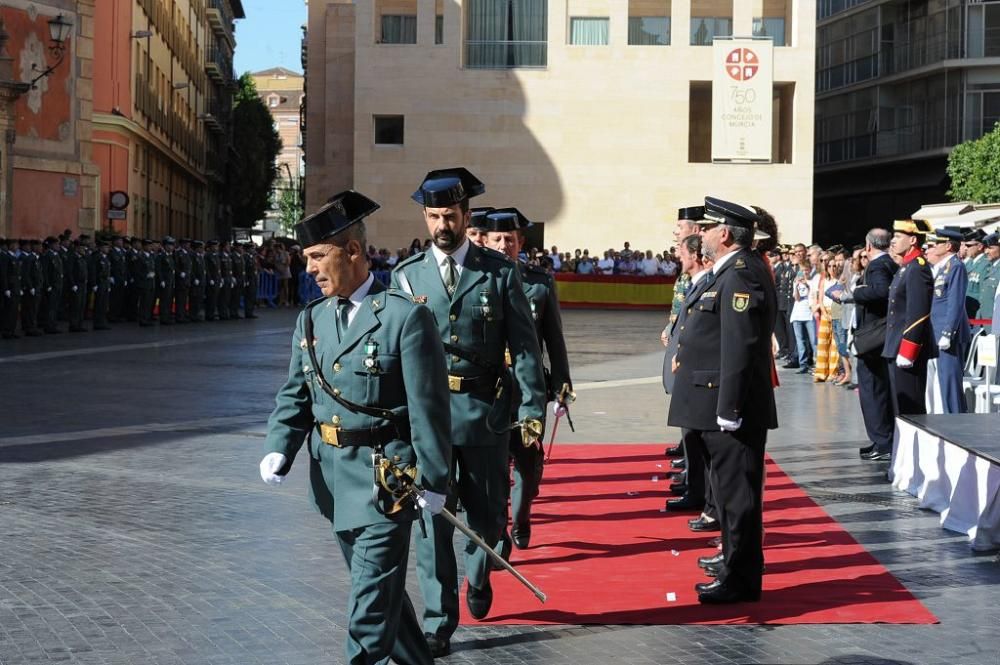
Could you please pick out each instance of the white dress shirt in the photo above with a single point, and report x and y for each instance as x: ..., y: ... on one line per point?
x: 442, y: 259
x: 358, y: 297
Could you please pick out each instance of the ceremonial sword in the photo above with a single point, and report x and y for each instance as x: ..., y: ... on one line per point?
x: 564, y: 398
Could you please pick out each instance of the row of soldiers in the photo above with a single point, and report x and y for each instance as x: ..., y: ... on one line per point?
x: 122, y: 279
x: 980, y: 254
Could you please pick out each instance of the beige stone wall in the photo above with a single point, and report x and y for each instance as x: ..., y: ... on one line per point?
x: 595, y: 144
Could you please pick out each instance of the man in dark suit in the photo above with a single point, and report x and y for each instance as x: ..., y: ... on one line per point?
x: 871, y: 298
x: 908, y: 341
x: 723, y: 390
x: 784, y: 282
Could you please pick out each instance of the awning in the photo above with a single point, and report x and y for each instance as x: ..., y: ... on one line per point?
x: 936, y: 210
x: 969, y: 220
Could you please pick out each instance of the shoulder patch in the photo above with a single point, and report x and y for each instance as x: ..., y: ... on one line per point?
x: 740, y: 264
x: 741, y: 302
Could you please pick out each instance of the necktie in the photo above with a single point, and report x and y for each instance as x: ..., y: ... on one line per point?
x: 343, y: 309
x: 451, y: 276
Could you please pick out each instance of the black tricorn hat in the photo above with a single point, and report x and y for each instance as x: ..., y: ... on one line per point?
x: 718, y: 211
x: 447, y: 187
x: 975, y: 235
x: 692, y: 214
x: 341, y: 211
x: 478, y: 218
x: 507, y: 219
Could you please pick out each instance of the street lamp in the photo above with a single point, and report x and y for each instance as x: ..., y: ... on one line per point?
x: 59, y: 29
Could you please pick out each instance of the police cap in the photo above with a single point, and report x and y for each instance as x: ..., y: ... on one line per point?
x: 146, y: 242
x: 507, y: 219
x: 718, y: 211
x: 443, y: 188
x: 946, y: 234
x: 197, y: 243
x: 478, y: 218
x: 212, y: 243
x: 168, y: 240
x: 992, y: 240
x: 341, y: 211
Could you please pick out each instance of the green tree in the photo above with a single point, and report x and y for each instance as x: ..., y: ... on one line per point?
x: 251, y: 175
x: 974, y: 169
x: 289, y: 206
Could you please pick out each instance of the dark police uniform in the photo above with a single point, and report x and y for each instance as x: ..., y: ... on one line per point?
x: 119, y: 282
x: 99, y: 280
x: 166, y: 275
x: 238, y: 268
x: 52, y: 267
x: 10, y: 291
x: 907, y: 326
x: 196, y: 306
x: 213, y: 280
x: 225, y: 291
x: 250, y: 281
x: 407, y: 379
x: 784, y: 284
x: 32, y: 285
x: 484, y: 314
x: 78, y: 278
x: 182, y: 282
x: 724, y: 376
x: 950, y: 330
x: 145, y: 279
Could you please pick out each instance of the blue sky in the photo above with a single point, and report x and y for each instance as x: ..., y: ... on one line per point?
x: 270, y: 35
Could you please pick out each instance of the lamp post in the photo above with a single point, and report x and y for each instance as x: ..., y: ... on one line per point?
x: 59, y: 29
x: 10, y: 90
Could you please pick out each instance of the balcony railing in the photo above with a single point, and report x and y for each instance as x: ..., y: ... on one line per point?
x: 219, y: 66
x: 220, y: 18
x: 506, y: 54
x: 902, y: 140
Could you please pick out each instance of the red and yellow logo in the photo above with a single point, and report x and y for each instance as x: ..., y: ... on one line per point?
x: 742, y: 64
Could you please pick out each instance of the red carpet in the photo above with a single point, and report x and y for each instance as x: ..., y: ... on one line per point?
x: 604, y: 554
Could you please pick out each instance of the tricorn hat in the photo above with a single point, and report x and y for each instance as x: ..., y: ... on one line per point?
x: 342, y: 210
x: 443, y: 188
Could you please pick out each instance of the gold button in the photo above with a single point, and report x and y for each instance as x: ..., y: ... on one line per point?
x: 455, y: 359
x: 336, y: 391
x: 453, y: 317
x: 397, y: 458
x: 709, y: 384
x: 336, y: 367
x: 454, y: 338
x: 335, y: 420
x: 682, y: 327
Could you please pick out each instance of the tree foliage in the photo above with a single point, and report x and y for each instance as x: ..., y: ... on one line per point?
x: 289, y: 206
x: 974, y: 169
x: 250, y: 176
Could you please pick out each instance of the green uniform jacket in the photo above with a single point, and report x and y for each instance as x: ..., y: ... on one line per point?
x: 52, y: 265
x: 145, y: 275
x: 182, y: 264
x: 487, y: 314
x: 165, y: 270
x: 410, y: 381
x: 988, y: 290
x: 213, y: 272
x: 238, y: 266
x: 978, y: 269
x: 32, y: 276
x: 197, y: 270
x: 540, y: 289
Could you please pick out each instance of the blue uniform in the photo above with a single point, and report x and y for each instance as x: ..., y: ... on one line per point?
x: 949, y: 324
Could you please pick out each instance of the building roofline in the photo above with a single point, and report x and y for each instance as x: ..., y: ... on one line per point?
x: 237, y: 6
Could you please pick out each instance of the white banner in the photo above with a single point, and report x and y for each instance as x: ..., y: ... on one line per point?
x: 742, y: 85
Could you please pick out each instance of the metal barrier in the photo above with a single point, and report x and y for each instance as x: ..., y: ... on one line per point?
x: 308, y: 291
x: 267, y: 288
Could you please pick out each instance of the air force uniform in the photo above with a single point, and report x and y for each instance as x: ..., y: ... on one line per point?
x: 950, y: 331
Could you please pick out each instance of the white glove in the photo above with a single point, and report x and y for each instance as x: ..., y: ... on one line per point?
x: 728, y: 425
x: 7, y: 293
x: 183, y: 275
x: 48, y: 290
x: 112, y: 280
x: 163, y: 285
x: 432, y: 502
x: 196, y: 282
x: 94, y: 289
x: 904, y: 363
x: 75, y: 288
x: 31, y: 291
x: 211, y: 282
x: 559, y: 410
x: 269, y: 466
x: 150, y: 274
x: 944, y: 343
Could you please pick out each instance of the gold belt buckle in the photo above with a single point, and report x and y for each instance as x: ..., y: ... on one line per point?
x: 454, y: 383
x: 330, y: 434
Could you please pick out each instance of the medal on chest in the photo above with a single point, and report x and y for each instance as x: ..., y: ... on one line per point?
x: 484, y: 300
x: 534, y: 310
x: 370, y: 360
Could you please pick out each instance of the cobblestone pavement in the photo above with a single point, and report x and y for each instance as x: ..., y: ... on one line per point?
x: 134, y: 528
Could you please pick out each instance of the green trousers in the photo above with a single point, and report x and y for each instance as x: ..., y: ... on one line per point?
x: 381, y: 620
x: 482, y: 486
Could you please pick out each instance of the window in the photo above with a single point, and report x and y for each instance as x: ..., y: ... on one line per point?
x: 439, y: 29
x: 588, y: 31
x: 505, y: 34
x: 649, y: 22
x: 700, y: 122
x: 771, y: 18
x: 388, y: 129
x: 399, y: 29
x: 710, y: 19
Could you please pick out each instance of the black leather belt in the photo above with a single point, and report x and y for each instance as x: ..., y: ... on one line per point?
x: 332, y: 435
x: 469, y: 384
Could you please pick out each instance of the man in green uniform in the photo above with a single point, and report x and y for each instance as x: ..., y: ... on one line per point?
x: 249, y: 279
x: 196, y: 305
x: 988, y: 287
x: 239, y: 268
x: 52, y: 267
x: 78, y: 278
x: 213, y: 280
x: 166, y: 276
x: 478, y: 301
x: 225, y: 292
x: 119, y: 279
x: 978, y: 267
x: 505, y: 233
x: 182, y: 283
x: 32, y: 282
x: 371, y: 381
x: 100, y: 284
x: 145, y: 279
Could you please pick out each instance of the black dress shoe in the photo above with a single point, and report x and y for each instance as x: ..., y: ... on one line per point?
x: 479, y: 601
x: 440, y: 646
x: 521, y: 536
x: 715, y: 542
x: 678, y: 489
x: 678, y: 464
x: 711, y: 560
x: 876, y: 456
x: 724, y: 593
x: 701, y: 587
x: 686, y: 502
x: 712, y: 570
x: 674, y: 451
x: 790, y: 366
x: 866, y: 450
x: 701, y: 524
